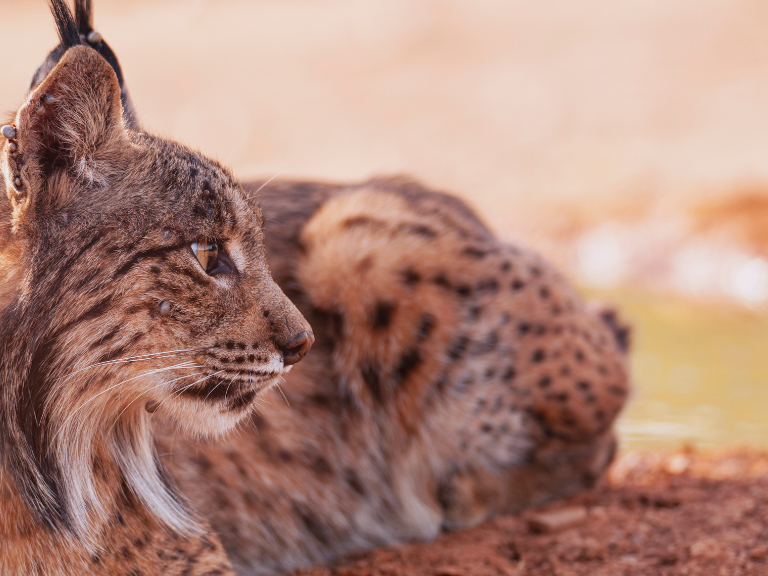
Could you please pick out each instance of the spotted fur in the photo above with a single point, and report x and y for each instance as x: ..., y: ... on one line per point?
x: 453, y: 377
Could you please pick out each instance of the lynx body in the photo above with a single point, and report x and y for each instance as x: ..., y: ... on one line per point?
x: 150, y: 303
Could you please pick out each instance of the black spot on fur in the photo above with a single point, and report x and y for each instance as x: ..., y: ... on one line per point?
x: 523, y: 328
x: 538, y: 356
x: 410, y: 277
x: 621, y: 333
x: 544, y: 292
x: 506, y: 266
x: 313, y: 524
x: 509, y: 374
x: 545, y: 382
x: 441, y: 281
x: 425, y: 328
x: 517, y: 285
x: 382, y: 315
x: 409, y: 361
x: 321, y: 466
x: 458, y: 348
x: 476, y: 253
x: 463, y: 290
x: 599, y: 415
x: 372, y: 379
x: 353, y: 480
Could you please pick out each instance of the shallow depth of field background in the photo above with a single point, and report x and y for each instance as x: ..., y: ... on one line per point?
x: 628, y: 141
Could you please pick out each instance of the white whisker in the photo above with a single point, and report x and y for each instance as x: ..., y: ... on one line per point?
x: 130, y: 359
x: 277, y: 385
x: 181, y: 391
x: 231, y: 380
x: 156, y: 386
x: 187, y: 364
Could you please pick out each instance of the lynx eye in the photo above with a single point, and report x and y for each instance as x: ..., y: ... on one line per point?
x: 211, y: 258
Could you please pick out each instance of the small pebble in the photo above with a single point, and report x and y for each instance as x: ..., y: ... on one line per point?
x: 17, y: 182
x: 553, y: 520
x: 94, y: 37
x: 13, y: 146
x: 152, y: 406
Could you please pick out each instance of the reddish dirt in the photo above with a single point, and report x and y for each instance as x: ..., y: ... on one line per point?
x: 675, y: 513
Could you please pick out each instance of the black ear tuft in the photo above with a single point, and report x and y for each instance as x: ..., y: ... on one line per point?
x: 84, y: 16
x: 65, y: 24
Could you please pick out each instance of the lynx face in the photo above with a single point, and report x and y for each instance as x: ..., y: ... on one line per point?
x: 135, y: 277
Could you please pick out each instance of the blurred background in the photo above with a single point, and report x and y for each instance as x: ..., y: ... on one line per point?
x: 628, y: 141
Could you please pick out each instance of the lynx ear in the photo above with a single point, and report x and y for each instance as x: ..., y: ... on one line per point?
x: 67, y: 124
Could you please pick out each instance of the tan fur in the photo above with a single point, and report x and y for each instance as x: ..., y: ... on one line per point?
x: 444, y: 441
x: 453, y: 377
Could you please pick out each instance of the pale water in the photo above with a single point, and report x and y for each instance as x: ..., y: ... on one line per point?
x: 700, y: 373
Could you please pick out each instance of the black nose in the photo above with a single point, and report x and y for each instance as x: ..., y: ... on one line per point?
x: 295, y: 349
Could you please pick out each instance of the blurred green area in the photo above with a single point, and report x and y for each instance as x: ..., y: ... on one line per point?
x: 700, y: 372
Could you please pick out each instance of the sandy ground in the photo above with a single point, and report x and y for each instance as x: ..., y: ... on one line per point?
x: 676, y: 513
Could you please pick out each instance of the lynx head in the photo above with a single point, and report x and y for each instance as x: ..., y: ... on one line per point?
x: 133, y: 277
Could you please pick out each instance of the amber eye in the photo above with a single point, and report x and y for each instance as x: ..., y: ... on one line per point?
x: 206, y: 254
x: 211, y: 258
